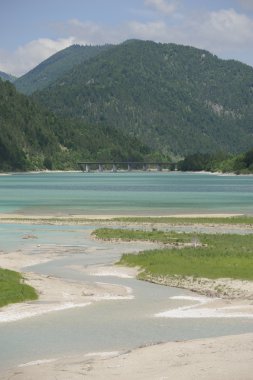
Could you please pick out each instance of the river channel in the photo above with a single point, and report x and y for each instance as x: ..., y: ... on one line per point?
x: 106, y: 325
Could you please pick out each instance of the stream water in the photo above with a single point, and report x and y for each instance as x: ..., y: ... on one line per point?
x: 104, y: 326
x: 108, y: 325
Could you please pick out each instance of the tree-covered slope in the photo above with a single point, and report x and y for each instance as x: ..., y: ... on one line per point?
x: 8, y: 77
x: 55, y: 66
x: 174, y: 98
x: 32, y: 138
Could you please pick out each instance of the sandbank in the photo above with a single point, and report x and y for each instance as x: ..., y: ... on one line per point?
x: 226, y: 358
x: 22, y: 217
x: 225, y: 288
x: 223, y: 358
x: 55, y: 294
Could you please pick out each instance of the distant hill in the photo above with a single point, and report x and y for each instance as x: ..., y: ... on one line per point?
x: 55, y: 66
x: 8, y: 77
x: 173, y: 98
x: 32, y: 138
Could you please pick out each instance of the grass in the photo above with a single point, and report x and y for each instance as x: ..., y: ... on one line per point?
x: 12, y: 288
x: 242, y: 219
x: 153, y: 236
x: 218, y: 256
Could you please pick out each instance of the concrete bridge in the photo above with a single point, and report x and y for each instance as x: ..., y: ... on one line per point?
x: 88, y: 166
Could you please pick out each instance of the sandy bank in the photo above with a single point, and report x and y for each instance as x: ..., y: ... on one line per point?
x: 55, y: 294
x: 15, y: 217
x: 225, y: 288
x: 224, y: 358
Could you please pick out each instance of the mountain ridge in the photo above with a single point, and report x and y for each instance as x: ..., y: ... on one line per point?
x: 172, y: 97
x: 9, y: 77
x: 56, y: 65
x: 32, y: 138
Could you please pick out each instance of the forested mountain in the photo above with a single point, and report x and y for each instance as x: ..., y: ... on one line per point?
x: 174, y: 98
x: 55, y: 66
x: 239, y: 164
x: 8, y: 77
x: 32, y: 138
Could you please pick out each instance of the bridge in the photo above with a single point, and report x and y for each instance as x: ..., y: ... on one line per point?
x: 113, y: 166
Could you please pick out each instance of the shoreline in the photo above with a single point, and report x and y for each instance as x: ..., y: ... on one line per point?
x: 55, y: 294
x: 201, y: 358
x: 224, y: 288
x: 47, y: 171
x: 221, y: 358
x: 84, y: 218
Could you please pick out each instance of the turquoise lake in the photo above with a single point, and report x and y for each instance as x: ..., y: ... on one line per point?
x: 107, y: 325
x: 125, y: 193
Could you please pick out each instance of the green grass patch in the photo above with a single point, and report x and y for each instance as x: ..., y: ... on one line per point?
x: 218, y: 256
x: 243, y: 219
x: 153, y: 236
x: 12, y: 288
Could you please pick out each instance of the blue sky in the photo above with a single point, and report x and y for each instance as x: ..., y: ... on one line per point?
x: 32, y: 30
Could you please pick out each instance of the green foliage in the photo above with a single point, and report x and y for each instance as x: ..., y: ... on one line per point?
x: 174, y: 98
x: 239, y: 164
x: 215, y: 256
x: 8, y: 77
x: 32, y: 138
x: 233, y: 220
x: 55, y: 66
x: 195, y: 162
x: 127, y: 235
x: 12, y: 288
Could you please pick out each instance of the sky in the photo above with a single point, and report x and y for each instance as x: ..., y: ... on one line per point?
x: 33, y: 30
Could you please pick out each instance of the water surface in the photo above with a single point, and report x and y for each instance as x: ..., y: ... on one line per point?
x: 103, y: 326
x: 125, y: 193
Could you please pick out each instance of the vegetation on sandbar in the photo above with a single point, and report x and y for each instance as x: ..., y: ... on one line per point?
x: 13, y: 289
x: 209, y: 256
x: 231, y: 220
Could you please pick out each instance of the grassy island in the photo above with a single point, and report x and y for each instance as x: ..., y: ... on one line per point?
x: 189, y: 254
x: 13, y: 289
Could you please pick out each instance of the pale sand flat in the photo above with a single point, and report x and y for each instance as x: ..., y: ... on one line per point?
x: 6, y: 216
x: 224, y: 358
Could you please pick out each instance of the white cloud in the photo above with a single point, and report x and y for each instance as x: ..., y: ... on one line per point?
x: 163, y: 6
x: 28, y: 56
x: 226, y: 33
x: 91, y: 33
x: 156, y: 31
x: 248, y: 4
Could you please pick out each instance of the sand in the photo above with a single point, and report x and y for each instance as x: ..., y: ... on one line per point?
x: 226, y: 358
x: 5, y: 217
x: 223, y: 358
x: 55, y: 294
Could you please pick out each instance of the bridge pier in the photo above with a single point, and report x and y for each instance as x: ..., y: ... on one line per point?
x: 100, y: 166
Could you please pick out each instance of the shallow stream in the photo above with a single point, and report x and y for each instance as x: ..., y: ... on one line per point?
x: 103, y: 326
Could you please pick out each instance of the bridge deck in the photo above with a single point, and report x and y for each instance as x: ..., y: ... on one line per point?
x: 86, y: 166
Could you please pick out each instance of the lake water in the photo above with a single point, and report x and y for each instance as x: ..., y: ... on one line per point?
x: 108, y: 325
x: 125, y: 193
